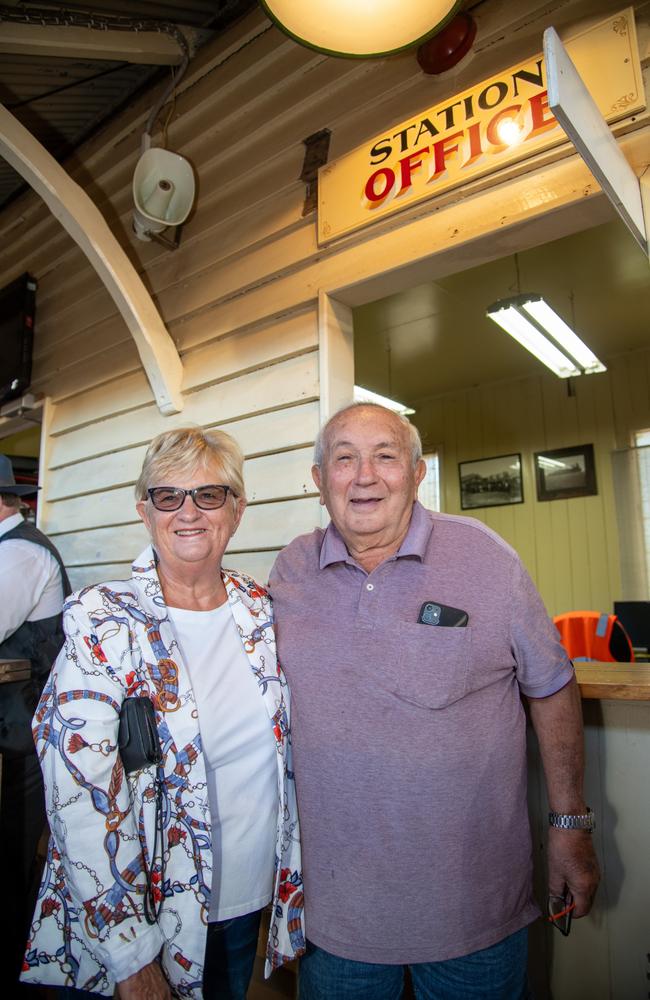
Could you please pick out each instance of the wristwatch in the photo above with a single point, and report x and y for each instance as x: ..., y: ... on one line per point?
x: 568, y: 821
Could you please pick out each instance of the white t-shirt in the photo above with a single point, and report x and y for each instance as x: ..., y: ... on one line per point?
x: 30, y: 581
x: 240, y: 759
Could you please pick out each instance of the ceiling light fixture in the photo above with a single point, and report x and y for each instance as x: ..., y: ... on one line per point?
x: 538, y: 328
x: 362, y: 395
x: 360, y: 30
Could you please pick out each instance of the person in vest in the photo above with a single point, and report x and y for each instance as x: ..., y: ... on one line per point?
x: 33, y: 584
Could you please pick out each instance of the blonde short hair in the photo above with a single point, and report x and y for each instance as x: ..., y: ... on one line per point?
x: 181, y: 452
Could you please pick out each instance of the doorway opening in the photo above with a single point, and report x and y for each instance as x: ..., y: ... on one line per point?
x: 479, y: 396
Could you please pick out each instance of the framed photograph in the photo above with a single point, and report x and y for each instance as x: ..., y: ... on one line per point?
x: 491, y: 482
x: 565, y: 472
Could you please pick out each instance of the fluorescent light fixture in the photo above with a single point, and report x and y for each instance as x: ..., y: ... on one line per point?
x: 362, y: 395
x: 532, y: 323
x: 363, y: 28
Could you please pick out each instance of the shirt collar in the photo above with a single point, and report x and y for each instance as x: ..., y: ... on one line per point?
x: 334, y: 549
x: 10, y: 523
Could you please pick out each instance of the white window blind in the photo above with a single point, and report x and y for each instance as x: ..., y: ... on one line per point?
x: 429, y: 492
x: 642, y: 442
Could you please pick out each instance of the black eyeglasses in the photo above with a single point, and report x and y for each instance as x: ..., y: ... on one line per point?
x: 205, y: 497
x: 560, y: 909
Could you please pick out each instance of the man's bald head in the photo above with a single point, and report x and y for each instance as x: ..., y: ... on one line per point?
x: 409, y: 430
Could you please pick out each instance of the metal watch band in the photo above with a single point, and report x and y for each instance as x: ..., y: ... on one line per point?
x: 569, y: 821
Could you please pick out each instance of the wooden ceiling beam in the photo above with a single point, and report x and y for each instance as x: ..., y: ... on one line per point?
x: 152, y: 48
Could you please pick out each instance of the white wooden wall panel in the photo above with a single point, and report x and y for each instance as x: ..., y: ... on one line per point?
x: 283, y: 384
x: 117, y: 395
x: 86, y: 370
x: 102, y: 330
x: 266, y: 525
x: 214, y: 361
x: 244, y: 209
x: 285, y: 473
x: 208, y: 285
x: 83, y: 301
x: 256, y: 564
x: 85, y: 576
x: 279, y: 430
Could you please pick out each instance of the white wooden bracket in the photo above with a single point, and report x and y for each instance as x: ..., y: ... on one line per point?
x: 574, y: 107
x: 78, y: 214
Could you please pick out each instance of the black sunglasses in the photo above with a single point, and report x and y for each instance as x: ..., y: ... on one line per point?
x: 204, y: 497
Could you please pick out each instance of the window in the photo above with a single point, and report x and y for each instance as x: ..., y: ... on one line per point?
x: 642, y: 444
x: 429, y: 492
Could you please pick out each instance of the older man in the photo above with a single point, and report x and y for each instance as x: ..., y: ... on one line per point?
x: 408, y: 639
x: 33, y: 582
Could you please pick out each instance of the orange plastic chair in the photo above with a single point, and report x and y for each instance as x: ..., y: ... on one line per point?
x: 590, y: 635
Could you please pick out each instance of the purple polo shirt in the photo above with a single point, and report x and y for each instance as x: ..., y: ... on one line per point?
x: 409, y: 740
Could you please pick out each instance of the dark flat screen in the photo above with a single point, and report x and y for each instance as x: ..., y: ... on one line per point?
x: 635, y: 619
x: 17, y: 305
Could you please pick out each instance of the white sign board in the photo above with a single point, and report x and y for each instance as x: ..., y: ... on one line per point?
x: 577, y: 112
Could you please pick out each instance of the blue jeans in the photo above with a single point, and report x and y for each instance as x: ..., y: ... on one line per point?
x: 229, y: 956
x: 496, y: 973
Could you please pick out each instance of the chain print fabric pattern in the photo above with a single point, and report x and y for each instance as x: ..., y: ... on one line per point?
x: 89, y: 912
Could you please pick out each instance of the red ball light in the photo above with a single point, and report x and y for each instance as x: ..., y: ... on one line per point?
x: 446, y: 49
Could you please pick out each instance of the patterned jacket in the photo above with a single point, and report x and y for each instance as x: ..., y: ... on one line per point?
x: 119, y: 643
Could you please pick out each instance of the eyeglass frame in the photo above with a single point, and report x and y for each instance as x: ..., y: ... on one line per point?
x: 191, y: 493
x: 560, y: 910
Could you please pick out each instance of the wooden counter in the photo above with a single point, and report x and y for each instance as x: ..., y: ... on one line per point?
x: 619, y: 681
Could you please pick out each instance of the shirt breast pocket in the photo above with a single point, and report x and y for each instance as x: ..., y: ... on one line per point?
x: 434, y: 665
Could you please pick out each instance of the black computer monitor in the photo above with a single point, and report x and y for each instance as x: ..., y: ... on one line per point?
x: 635, y: 619
x: 17, y: 304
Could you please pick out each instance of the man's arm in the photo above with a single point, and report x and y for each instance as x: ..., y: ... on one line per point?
x: 25, y: 573
x: 557, y: 721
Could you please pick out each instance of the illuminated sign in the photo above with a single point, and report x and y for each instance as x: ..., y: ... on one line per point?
x: 495, y: 124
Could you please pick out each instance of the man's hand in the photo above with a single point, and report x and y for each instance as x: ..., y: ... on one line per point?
x: 147, y: 984
x: 572, y: 862
x: 557, y: 721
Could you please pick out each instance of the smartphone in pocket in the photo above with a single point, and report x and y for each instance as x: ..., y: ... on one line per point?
x: 432, y: 613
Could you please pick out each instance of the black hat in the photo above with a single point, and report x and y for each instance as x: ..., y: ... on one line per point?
x: 8, y: 480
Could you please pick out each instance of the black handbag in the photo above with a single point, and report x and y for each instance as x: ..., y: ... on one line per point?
x: 139, y: 747
x: 137, y: 736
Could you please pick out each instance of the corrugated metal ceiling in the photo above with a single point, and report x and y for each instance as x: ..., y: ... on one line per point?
x: 62, y: 101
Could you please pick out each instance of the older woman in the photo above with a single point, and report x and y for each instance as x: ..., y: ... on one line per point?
x: 156, y: 881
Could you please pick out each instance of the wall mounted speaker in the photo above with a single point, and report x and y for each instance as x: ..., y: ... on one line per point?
x: 163, y: 192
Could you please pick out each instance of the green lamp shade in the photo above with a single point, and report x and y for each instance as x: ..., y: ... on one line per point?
x: 360, y: 28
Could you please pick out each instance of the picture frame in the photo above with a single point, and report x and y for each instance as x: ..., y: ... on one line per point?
x: 491, y: 482
x: 563, y: 473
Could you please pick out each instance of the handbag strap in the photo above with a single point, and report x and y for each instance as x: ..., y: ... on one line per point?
x: 151, y: 905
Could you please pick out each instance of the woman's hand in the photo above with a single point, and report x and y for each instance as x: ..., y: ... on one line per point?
x: 147, y: 984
